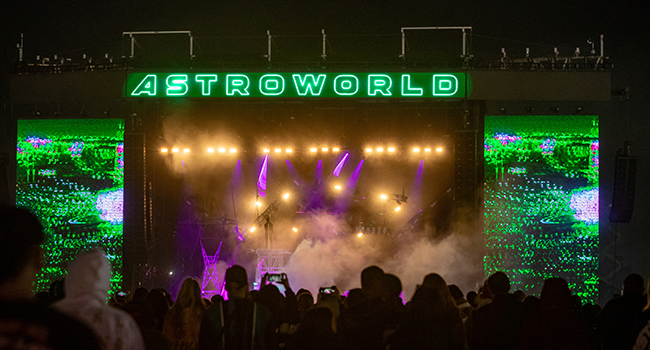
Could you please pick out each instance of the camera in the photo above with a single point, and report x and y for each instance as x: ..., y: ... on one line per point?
x: 327, y: 290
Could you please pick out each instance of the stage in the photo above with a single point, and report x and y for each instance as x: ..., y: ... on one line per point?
x: 456, y: 171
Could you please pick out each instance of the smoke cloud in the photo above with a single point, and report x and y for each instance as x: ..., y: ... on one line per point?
x: 319, y: 262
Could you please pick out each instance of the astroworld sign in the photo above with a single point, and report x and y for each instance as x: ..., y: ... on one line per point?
x: 290, y: 85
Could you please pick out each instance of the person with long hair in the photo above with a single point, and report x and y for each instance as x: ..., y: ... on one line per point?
x: 183, y: 321
x: 432, y: 320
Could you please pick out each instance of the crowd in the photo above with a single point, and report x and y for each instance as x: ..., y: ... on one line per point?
x: 76, y: 315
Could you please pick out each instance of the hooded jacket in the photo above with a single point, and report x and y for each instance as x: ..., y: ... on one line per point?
x: 86, y: 289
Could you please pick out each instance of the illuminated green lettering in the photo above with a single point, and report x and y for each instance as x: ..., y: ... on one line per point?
x: 306, y: 84
x: 271, y: 84
x: 206, y: 81
x: 407, y: 90
x: 146, y: 86
x: 379, y: 83
x: 346, y: 85
x: 444, y: 85
x: 177, y: 85
x: 213, y: 84
x: 237, y: 83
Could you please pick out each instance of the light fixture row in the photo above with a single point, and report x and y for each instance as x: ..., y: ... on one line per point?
x: 187, y: 150
x: 392, y: 149
x: 290, y: 150
x: 311, y: 150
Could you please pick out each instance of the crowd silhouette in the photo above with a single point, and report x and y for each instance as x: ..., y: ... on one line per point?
x: 75, y: 313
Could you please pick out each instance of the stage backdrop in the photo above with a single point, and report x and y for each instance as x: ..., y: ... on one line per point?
x: 71, y: 175
x: 541, y: 201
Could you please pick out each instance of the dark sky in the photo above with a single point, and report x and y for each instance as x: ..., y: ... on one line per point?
x: 73, y: 27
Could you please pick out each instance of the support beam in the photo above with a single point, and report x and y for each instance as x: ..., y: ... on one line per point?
x: 462, y: 28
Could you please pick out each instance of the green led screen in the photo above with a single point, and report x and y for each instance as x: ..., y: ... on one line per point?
x: 71, y: 175
x: 541, y: 201
x: 359, y: 85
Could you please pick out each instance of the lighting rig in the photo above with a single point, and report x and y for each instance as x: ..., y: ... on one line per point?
x: 265, y: 220
x: 313, y: 150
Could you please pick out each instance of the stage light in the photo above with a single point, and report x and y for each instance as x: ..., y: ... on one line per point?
x: 259, y: 204
x: 313, y: 149
x: 171, y: 273
x: 164, y: 150
x: 252, y: 229
x: 289, y: 150
x: 294, y: 229
x: 186, y: 150
x: 383, y: 196
x: 335, y: 149
x: 398, y: 208
x: 324, y: 149
x: 278, y: 150
x: 266, y: 150
x: 380, y: 149
x: 369, y: 150
x: 338, y: 187
x: 210, y: 150
x: 427, y: 149
x: 232, y: 150
x: 439, y: 149
x: 416, y: 150
x: 391, y: 149
x: 175, y: 150
x: 360, y: 234
x: 286, y: 196
x: 222, y: 150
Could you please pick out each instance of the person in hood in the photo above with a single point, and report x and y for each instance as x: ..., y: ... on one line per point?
x: 25, y: 323
x: 86, y: 290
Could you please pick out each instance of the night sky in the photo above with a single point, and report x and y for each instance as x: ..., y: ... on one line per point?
x: 71, y: 28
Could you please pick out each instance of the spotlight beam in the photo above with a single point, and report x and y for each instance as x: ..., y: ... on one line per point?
x: 261, y: 181
x: 337, y: 170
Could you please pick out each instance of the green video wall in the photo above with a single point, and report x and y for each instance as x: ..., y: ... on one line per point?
x: 541, y: 200
x: 71, y: 175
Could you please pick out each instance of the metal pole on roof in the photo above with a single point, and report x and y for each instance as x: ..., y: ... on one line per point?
x: 403, y: 45
x: 20, y: 48
x: 601, y: 58
x: 464, y: 43
x: 268, y: 33
x: 191, y: 46
x: 324, y: 55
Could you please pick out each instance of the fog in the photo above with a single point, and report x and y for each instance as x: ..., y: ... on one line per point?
x: 318, y: 262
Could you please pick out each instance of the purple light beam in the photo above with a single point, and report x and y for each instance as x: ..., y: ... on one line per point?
x: 261, y: 181
x: 338, y: 168
x: 235, y: 179
x: 352, y: 181
x: 295, y: 175
x: 417, y: 185
x: 344, y: 202
x: 318, y: 174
